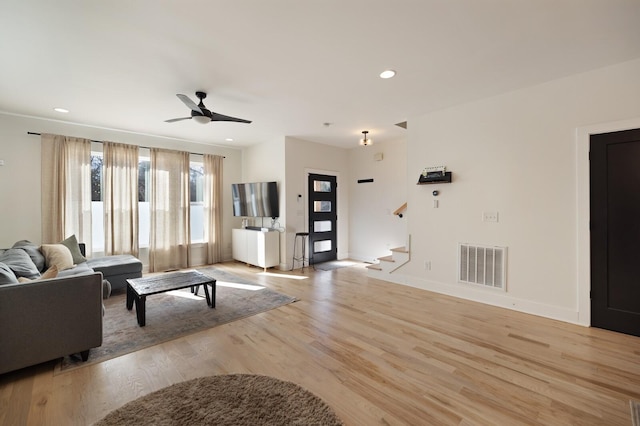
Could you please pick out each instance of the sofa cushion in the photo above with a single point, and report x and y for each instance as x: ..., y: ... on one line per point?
x: 6, y: 275
x: 20, y: 263
x: 33, y: 252
x: 81, y: 269
x: 72, y: 244
x: 57, y: 254
x: 116, y: 265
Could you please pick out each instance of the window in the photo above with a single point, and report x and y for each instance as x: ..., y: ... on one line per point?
x: 322, y: 206
x: 321, y: 186
x: 97, y: 206
x: 144, y: 215
x: 196, y: 197
x: 96, y: 176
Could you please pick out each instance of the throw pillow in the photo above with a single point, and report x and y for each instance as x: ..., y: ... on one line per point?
x: 72, y: 244
x: 50, y: 273
x: 33, y: 252
x: 20, y: 263
x: 6, y: 275
x: 58, y: 255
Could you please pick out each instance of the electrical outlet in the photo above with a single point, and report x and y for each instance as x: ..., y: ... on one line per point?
x: 490, y: 216
x: 427, y: 265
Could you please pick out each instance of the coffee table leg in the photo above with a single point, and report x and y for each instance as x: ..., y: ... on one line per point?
x: 206, y: 294
x: 141, y: 310
x: 130, y: 297
x: 211, y: 300
x: 213, y: 294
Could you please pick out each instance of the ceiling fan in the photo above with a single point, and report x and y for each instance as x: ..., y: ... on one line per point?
x: 201, y: 114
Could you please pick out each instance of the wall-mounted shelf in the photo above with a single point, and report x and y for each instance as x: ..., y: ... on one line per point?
x: 428, y: 180
x: 400, y: 209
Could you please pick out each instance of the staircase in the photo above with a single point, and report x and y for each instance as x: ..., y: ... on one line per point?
x: 386, y: 265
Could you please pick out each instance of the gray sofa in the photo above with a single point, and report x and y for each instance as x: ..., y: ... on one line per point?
x: 48, y: 319
x: 45, y: 319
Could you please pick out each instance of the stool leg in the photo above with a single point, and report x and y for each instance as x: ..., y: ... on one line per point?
x: 303, y: 252
x: 293, y: 259
x: 311, y: 262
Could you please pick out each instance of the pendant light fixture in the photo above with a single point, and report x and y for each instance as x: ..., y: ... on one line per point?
x: 364, y: 141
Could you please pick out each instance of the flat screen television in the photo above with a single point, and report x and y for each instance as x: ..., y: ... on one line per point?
x: 258, y: 199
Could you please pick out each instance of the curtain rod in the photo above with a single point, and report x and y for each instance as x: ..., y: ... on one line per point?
x: 146, y: 147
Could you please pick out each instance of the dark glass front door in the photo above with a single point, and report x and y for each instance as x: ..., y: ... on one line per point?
x: 322, y: 218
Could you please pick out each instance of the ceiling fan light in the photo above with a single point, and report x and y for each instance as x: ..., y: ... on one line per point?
x: 387, y: 74
x: 201, y: 119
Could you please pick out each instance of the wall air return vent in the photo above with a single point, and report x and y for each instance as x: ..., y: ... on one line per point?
x: 483, y: 265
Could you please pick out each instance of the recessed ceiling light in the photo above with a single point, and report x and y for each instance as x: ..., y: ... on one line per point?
x: 387, y: 74
x: 62, y: 110
x: 229, y: 140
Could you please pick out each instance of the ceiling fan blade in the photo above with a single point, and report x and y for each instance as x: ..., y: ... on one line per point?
x: 189, y: 103
x: 177, y: 119
x: 219, y: 117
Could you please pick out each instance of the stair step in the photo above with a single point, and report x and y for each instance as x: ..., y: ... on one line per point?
x: 386, y: 259
x: 400, y: 249
x: 374, y: 267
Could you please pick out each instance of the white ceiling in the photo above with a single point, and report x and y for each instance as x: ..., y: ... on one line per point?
x: 291, y: 66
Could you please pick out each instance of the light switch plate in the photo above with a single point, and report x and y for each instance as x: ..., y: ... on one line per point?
x: 490, y: 216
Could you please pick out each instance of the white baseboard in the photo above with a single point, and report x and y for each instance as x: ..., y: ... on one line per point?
x: 489, y: 297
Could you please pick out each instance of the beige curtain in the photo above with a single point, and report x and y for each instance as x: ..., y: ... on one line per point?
x: 120, y: 196
x: 213, y: 207
x: 170, y: 235
x: 66, y: 189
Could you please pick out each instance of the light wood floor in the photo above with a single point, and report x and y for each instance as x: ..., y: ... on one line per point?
x: 378, y: 353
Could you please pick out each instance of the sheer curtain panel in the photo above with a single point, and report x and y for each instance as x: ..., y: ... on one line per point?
x: 120, y: 196
x: 170, y: 236
x: 213, y: 207
x: 66, y: 189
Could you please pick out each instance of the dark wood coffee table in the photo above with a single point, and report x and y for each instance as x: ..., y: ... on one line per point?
x: 139, y: 288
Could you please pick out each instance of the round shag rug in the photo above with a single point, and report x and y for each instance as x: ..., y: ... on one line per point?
x: 233, y: 399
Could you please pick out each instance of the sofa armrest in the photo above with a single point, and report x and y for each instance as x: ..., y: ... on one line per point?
x: 48, y: 319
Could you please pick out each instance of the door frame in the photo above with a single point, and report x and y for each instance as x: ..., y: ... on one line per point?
x: 583, y: 234
x: 339, y: 194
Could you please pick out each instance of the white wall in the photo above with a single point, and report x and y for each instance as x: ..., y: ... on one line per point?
x: 304, y: 157
x: 514, y: 154
x: 265, y: 163
x: 373, y: 229
x: 20, y: 215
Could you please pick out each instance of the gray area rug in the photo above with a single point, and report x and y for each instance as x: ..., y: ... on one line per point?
x: 334, y: 264
x: 226, y: 400
x: 176, y: 314
x: 635, y: 413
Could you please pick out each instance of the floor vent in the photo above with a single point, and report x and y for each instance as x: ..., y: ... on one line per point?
x: 484, y: 265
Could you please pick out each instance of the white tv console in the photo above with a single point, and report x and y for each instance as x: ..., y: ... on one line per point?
x: 256, y: 247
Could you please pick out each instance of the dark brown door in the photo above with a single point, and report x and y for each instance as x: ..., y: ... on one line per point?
x: 615, y: 231
x: 323, y: 218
